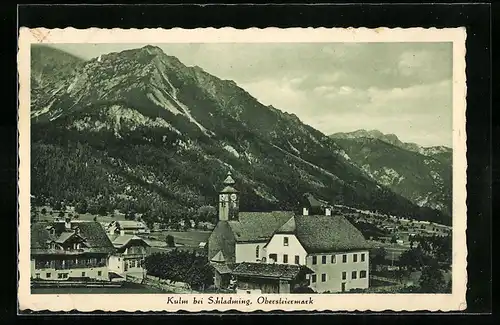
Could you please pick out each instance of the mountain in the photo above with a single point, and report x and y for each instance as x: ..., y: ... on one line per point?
x: 140, y: 131
x: 49, y: 68
x: 422, y: 175
x: 439, y: 152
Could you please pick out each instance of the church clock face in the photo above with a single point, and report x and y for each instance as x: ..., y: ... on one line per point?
x: 223, y: 197
x: 233, y: 197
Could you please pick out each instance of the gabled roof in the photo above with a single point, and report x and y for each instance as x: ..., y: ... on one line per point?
x: 322, y: 234
x: 258, y: 226
x: 64, y: 236
x: 123, y: 240
x: 267, y: 270
x: 96, y: 239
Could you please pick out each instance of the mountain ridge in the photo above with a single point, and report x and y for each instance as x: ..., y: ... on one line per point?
x: 389, y: 138
x: 157, y: 136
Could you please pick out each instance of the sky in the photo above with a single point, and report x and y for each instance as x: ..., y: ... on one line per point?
x: 399, y: 88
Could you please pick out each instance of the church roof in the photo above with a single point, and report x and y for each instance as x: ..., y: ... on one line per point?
x: 219, y: 257
x: 229, y: 179
x: 258, y: 226
x: 229, y: 189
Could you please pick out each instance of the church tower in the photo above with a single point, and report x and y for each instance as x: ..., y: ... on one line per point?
x: 229, y: 201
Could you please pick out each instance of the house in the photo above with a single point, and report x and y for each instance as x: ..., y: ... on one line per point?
x: 327, y: 244
x: 69, y: 250
x: 129, y: 227
x: 128, y: 258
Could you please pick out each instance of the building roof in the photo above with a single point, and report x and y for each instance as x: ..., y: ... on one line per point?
x: 123, y: 240
x: 93, y: 234
x: 258, y: 226
x: 222, y: 268
x: 64, y: 236
x: 266, y: 270
x: 321, y: 234
x: 218, y: 258
x: 130, y: 224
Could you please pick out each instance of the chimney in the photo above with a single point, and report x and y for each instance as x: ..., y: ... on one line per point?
x: 305, y: 211
x: 67, y: 223
x: 328, y: 211
x: 122, y: 232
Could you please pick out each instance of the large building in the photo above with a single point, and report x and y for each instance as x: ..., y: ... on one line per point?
x: 326, y: 243
x: 69, y: 250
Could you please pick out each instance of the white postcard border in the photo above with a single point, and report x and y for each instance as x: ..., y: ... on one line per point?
x: 322, y: 302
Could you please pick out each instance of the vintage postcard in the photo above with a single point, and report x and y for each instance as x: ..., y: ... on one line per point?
x: 249, y: 170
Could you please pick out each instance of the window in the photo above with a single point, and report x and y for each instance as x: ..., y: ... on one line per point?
x: 315, y: 260
x: 48, y: 275
x: 313, y: 278
x: 257, y: 251
x: 323, y: 277
x: 354, y: 275
x: 60, y: 275
x: 334, y: 259
x: 362, y: 274
x: 344, y: 258
x: 363, y: 257
x: 83, y: 274
x: 297, y: 259
x: 285, y: 258
x: 285, y: 241
x: 354, y: 258
x: 99, y: 273
x: 323, y: 259
x: 344, y: 275
x: 273, y: 257
x: 37, y: 275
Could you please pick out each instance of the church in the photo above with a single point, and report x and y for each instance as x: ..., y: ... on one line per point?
x: 282, y: 251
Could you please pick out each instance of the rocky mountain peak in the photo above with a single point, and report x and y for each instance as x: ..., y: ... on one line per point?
x: 165, y: 133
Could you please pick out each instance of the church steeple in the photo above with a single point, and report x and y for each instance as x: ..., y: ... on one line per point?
x: 229, y: 181
x: 228, y: 200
